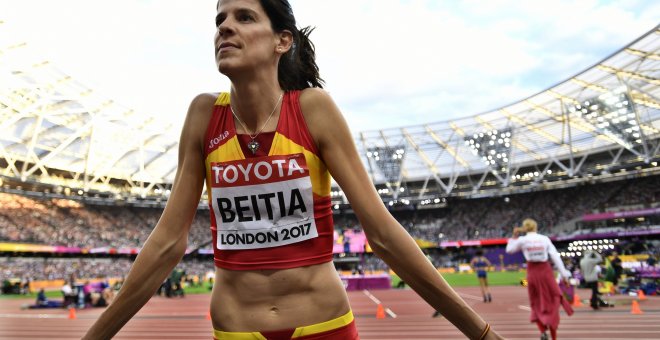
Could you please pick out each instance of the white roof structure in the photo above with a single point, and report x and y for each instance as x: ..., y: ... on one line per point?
x: 59, y: 132
x: 613, y: 107
x: 56, y: 130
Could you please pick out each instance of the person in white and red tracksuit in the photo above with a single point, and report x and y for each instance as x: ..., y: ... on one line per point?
x: 545, y: 296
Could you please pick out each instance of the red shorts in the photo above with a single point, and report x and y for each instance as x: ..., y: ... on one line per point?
x: 340, y: 328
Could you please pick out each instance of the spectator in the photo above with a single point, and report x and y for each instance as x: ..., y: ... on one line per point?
x: 69, y: 295
x: 589, y: 265
x: 615, y: 262
x: 545, y: 296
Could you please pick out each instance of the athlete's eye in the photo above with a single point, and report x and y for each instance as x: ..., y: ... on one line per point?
x: 244, y: 17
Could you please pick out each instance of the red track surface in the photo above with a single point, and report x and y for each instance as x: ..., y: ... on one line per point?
x: 185, y: 318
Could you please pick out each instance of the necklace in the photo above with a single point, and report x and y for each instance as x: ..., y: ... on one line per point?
x: 253, y: 145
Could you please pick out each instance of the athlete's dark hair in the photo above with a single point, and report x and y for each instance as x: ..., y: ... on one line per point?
x: 297, y: 69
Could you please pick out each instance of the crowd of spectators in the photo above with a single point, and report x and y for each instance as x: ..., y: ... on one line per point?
x: 40, y: 268
x: 24, y: 270
x: 69, y: 223
x: 555, y: 210
x: 74, y: 224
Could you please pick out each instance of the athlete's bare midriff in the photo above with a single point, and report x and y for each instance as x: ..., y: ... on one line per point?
x: 248, y: 301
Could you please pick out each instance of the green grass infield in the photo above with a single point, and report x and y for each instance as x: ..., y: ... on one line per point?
x: 454, y: 279
x: 496, y: 278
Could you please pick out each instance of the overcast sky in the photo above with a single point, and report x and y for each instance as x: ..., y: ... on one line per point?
x: 386, y: 63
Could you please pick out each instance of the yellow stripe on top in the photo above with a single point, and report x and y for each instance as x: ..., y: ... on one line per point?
x: 318, y: 172
x: 229, y: 151
x: 223, y: 99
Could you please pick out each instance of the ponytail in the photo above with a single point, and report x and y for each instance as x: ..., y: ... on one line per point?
x: 297, y: 69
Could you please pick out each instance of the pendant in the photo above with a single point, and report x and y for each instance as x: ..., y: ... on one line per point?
x: 253, y: 146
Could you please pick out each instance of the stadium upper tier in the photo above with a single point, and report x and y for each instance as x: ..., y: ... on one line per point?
x: 604, y: 119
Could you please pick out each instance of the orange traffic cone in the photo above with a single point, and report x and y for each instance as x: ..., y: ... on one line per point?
x: 635, y: 308
x: 641, y: 295
x: 72, y: 313
x: 380, y: 312
x: 576, y: 300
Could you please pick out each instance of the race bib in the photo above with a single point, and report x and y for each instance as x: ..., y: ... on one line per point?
x: 262, y: 202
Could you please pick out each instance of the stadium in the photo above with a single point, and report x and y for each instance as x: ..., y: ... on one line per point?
x: 83, y: 180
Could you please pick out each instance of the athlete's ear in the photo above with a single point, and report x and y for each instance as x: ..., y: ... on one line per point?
x: 284, y: 41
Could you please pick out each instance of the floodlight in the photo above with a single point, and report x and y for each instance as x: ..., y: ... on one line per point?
x: 493, y: 147
x: 388, y: 160
x: 612, y: 114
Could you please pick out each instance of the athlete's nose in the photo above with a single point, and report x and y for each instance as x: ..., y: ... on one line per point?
x: 224, y: 29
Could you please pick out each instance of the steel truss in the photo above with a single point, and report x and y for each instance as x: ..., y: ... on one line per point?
x: 550, y: 145
x: 65, y: 138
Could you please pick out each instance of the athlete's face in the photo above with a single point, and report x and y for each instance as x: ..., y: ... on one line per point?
x: 244, y: 38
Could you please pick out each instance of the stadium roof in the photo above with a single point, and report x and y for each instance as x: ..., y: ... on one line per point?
x: 561, y: 125
x: 56, y: 130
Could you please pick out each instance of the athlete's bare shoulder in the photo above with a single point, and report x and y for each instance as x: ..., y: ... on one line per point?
x: 320, y: 112
x: 201, y: 108
x: 313, y: 99
x: 203, y: 103
x: 198, y: 116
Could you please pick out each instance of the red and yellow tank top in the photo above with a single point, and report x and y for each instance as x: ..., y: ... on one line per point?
x: 271, y: 209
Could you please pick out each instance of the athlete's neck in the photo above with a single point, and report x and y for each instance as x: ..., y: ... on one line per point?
x: 253, y: 104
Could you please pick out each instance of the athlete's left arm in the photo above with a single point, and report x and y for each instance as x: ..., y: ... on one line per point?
x: 556, y: 259
x: 387, y: 237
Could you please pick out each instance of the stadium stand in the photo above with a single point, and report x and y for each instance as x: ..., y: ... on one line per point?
x: 71, y: 205
x: 69, y: 223
x: 73, y: 224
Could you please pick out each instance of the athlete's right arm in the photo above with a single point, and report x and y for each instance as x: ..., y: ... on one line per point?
x: 513, y: 245
x: 168, y: 241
